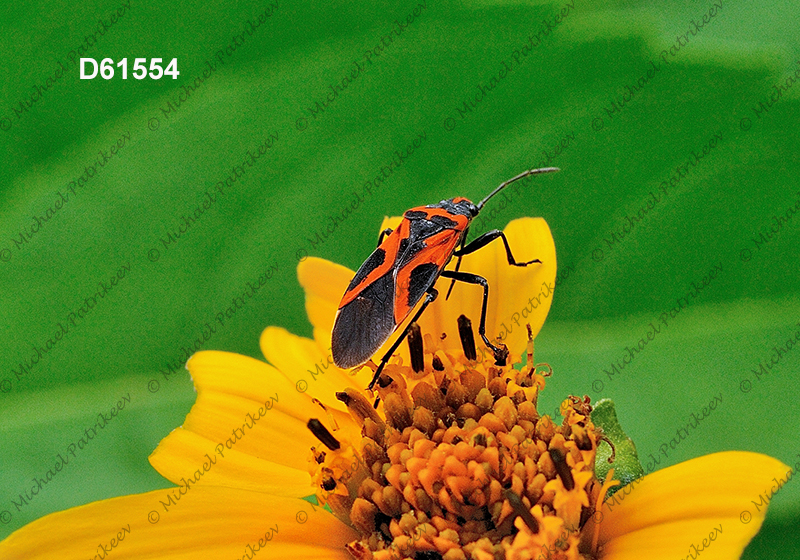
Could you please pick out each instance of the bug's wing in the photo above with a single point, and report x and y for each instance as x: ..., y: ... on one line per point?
x: 364, y: 324
x: 420, y: 269
x: 365, y: 319
x: 385, y: 290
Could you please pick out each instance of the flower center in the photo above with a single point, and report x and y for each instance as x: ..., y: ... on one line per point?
x: 461, y: 464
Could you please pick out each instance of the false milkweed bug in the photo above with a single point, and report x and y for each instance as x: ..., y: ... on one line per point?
x: 403, y: 268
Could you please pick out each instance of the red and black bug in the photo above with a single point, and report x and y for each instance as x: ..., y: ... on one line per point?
x: 403, y: 269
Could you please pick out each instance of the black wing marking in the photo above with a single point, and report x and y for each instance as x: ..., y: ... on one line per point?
x: 443, y: 222
x: 364, y: 324
x: 421, y: 278
x: 376, y: 259
x: 422, y: 228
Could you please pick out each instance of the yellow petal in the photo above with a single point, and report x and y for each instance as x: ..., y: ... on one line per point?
x: 708, y: 539
x: 181, y: 453
x: 214, y: 371
x: 234, y: 393
x: 324, y: 283
x: 517, y: 295
x: 390, y: 222
x: 206, y: 522
x: 671, y: 510
x: 308, y: 367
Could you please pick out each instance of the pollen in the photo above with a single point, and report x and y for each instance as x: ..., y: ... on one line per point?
x: 457, y: 463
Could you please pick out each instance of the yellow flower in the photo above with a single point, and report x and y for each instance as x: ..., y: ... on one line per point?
x: 455, y: 463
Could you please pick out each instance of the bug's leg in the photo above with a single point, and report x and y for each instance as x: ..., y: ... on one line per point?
x: 458, y: 263
x: 487, y: 238
x: 384, y: 233
x: 475, y: 279
x: 453, y: 283
x: 429, y: 297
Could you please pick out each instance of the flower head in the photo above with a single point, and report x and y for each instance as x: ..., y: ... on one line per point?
x: 457, y: 462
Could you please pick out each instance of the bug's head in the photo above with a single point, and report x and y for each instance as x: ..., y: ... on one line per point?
x: 464, y: 207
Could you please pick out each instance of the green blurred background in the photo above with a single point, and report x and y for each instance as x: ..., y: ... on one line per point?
x: 559, y: 92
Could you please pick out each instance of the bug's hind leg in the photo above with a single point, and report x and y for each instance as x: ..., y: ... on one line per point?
x: 487, y: 238
x: 429, y: 297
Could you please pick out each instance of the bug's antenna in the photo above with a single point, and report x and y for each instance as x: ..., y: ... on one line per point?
x: 517, y: 178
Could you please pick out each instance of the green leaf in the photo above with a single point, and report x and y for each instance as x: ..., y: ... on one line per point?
x: 626, y: 465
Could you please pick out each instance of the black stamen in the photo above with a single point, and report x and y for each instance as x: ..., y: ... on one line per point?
x: 530, y: 347
x: 384, y: 381
x: 358, y: 406
x: 562, y: 468
x: 467, y: 337
x: 522, y: 511
x: 322, y: 434
x: 437, y: 363
x: 414, y: 338
x: 328, y: 484
x: 427, y: 555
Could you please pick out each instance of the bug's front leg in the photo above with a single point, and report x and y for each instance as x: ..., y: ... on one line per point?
x: 487, y: 238
x: 499, y: 353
